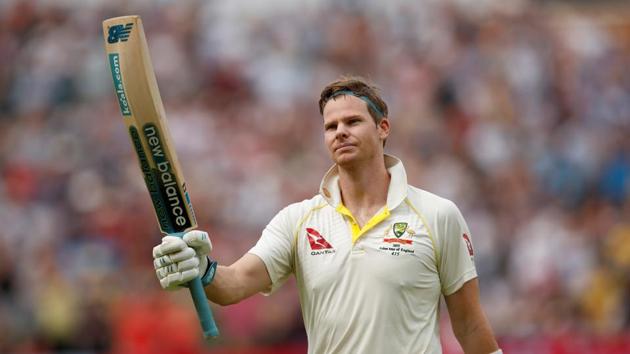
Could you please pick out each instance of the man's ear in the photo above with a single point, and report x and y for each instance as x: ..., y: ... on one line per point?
x: 383, y: 128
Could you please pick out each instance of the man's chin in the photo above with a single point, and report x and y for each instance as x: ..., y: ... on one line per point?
x: 345, y: 159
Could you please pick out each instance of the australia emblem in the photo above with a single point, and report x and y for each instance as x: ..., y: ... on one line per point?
x: 399, y: 228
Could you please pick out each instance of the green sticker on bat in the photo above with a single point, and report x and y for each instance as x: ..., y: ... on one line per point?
x: 167, y: 182
x: 151, y: 180
x: 114, y: 64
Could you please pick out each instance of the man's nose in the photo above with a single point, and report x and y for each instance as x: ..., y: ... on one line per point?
x: 342, y: 131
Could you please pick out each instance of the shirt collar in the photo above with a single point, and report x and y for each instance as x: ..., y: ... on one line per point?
x: 396, y: 192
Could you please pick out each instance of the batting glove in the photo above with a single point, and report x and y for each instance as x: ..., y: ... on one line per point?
x: 177, y: 261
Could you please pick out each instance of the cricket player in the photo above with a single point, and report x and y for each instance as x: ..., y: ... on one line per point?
x: 372, y: 255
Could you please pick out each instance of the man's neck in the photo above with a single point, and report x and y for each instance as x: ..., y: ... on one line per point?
x: 364, y: 188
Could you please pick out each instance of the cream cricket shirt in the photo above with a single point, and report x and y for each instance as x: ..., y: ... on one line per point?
x: 374, y: 289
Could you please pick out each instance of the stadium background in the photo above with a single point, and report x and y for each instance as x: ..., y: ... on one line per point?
x: 519, y: 111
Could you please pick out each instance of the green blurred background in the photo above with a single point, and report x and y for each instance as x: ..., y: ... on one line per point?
x: 519, y: 111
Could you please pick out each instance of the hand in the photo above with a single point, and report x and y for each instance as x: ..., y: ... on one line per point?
x: 179, y: 260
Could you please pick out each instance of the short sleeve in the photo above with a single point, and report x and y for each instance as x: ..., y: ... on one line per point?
x: 457, y: 255
x: 275, y: 248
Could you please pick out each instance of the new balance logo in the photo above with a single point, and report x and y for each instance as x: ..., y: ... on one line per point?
x: 118, y: 33
x: 316, y: 240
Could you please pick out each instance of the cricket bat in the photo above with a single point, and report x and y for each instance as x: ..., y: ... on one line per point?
x: 143, y: 113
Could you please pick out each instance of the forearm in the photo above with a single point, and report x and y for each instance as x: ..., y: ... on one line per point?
x: 179, y: 260
x: 476, y: 337
x: 470, y: 325
x: 241, y: 280
x: 225, y: 289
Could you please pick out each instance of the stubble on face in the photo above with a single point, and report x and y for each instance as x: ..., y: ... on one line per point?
x: 350, y: 133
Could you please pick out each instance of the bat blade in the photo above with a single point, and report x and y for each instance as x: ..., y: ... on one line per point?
x: 141, y: 106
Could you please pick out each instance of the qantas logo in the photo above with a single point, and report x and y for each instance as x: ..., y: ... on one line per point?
x: 316, y: 240
x: 318, y: 243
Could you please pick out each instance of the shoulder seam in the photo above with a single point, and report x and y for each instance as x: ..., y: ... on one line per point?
x: 436, y: 251
x: 297, y: 230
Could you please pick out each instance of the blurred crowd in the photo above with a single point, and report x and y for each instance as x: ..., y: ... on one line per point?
x: 518, y: 111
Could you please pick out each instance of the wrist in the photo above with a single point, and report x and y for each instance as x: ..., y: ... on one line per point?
x: 211, y: 270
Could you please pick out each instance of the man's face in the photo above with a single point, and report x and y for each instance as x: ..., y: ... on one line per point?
x: 350, y: 133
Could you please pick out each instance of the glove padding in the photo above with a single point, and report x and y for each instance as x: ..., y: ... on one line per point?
x: 177, y: 261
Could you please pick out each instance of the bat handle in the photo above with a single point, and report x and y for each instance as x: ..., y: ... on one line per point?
x: 202, y: 305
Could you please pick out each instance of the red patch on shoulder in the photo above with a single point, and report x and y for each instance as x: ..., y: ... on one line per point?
x: 469, y: 245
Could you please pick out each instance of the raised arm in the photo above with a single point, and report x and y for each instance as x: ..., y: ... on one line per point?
x: 244, y: 278
x: 178, y: 260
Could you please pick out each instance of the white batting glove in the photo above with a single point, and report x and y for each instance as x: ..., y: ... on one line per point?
x: 200, y: 242
x: 179, y: 260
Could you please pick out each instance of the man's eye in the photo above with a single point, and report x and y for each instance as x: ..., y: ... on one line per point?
x: 330, y: 127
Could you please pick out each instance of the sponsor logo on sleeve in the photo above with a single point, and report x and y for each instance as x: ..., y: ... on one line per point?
x: 471, y: 252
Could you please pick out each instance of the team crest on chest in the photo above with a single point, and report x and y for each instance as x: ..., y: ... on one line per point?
x: 399, y: 244
x: 399, y: 228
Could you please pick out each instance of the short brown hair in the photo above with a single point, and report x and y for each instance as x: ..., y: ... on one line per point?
x: 359, y: 87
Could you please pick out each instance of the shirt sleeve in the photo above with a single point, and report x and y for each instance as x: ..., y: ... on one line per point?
x: 275, y: 248
x: 457, y: 255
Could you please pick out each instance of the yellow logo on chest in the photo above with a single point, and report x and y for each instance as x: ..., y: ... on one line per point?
x: 399, y: 228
